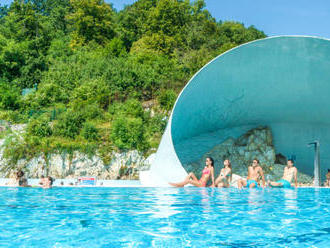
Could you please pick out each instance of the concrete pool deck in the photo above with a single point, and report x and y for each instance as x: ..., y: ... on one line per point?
x: 5, y: 182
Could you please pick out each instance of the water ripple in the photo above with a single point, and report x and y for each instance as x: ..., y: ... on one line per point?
x: 164, y: 217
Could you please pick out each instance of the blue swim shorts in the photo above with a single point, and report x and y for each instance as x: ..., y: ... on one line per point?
x: 250, y: 182
x: 285, y: 184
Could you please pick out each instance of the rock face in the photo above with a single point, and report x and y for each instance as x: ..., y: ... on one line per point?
x: 256, y: 143
x: 122, y: 166
x: 126, y: 165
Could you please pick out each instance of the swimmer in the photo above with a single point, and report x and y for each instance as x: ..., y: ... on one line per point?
x: 42, y: 179
x: 21, y: 181
x: 254, y: 172
x: 208, y: 172
x: 224, y: 178
x: 48, y: 182
x: 290, y: 172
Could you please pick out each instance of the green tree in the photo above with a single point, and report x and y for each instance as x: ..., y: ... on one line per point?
x: 3, y: 11
x: 9, y: 96
x: 131, y: 21
x: 22, y: 56
x: 128, y: 133
x: 90, y: 20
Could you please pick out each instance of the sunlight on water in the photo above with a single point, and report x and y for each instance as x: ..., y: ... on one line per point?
x: 164, y: 217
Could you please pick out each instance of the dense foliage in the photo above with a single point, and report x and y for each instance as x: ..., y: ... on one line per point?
x: 83, y: 76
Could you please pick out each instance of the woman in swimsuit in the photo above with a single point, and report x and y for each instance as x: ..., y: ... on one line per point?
x: 224, y: 178
x: 208, y: 172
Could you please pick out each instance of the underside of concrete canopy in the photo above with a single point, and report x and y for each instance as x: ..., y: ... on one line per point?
x: 279, y: 82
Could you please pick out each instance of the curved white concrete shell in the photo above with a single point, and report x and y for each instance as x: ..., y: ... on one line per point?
x: 280, y: 82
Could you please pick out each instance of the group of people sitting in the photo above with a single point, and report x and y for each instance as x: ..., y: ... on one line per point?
x: 255, y: 177
x: 21, y: 181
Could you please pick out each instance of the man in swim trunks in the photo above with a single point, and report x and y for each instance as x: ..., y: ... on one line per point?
x: 254, y: 172
x: 290, y: 172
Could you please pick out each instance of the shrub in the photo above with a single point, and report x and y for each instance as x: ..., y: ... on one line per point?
x: 128, y: 133
x: 130, y: 108
x: 167, y: 99
x: 157, y: 123
x: 133, y: 108
x: 69, y: 124
x: 39, y: 127
x: 88, y: 111
x: 9, y: 96
x: 90, y: 132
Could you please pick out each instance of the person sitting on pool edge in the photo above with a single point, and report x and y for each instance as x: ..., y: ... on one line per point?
x: 254, y: 172
x: 208, y: 172
x: 224, y: 178
x: 327, y: 179
x: 290, y: 172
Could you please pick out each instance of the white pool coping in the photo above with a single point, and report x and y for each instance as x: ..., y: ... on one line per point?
x: 4, y: 182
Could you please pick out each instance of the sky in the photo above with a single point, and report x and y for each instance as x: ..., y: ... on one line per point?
x: 274, y: 17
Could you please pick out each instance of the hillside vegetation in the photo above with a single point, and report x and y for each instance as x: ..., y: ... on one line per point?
x: 86, y: 77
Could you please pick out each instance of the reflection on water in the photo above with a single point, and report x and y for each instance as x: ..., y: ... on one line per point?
x: 164, y: 217
x: 290, y: 205
x: 290, y: 199
x: 255, y: 201
x: 164, y: 204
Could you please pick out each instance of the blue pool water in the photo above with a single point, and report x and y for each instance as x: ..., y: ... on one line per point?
x: 164, y: 217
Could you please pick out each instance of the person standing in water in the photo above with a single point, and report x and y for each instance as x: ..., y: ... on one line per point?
x: 208, y: 172
x: 290, y: 172
x: 254, y: 172
x: 224, y: 178
x: 47, y: 182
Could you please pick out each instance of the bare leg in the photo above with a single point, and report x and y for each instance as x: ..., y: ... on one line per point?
x: 181, y: 184
x: 218, y: 180
x: 274, y: 184
x: 194, y: 181
x: 252, y: 185
x: 192, y: 175
x: 241, y: 183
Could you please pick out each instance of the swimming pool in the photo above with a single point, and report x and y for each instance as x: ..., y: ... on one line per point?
x: 164, y: 217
